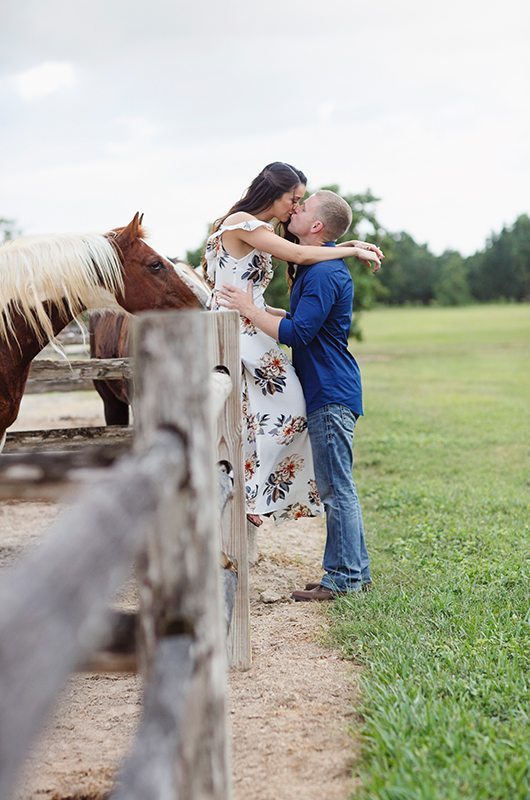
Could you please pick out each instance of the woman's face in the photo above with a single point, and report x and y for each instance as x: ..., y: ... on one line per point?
x: 283, y: 207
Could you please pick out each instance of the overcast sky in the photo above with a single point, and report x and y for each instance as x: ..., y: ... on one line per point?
x: 109, y: 106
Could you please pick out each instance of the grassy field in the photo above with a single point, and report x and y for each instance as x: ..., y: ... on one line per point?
x: 443, y: 475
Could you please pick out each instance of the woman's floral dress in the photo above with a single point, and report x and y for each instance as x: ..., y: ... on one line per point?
x: 279, y: 474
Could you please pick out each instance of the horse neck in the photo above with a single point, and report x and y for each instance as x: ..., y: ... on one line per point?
x: 27, y: 344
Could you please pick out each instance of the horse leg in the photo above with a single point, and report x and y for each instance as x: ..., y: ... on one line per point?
x: 115, y: 410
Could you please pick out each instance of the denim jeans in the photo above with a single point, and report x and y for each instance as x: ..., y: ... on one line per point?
x: 346, y: 563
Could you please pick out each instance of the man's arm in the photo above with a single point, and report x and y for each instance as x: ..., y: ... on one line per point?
x: 317, y: 299
x: 319, y: 294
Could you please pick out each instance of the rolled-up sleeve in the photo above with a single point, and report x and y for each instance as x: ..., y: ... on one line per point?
x: 316, y: 301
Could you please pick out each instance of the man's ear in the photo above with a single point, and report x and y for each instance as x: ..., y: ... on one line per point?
x: 317, y: 226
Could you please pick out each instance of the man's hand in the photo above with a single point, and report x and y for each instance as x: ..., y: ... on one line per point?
x: 236, y: 299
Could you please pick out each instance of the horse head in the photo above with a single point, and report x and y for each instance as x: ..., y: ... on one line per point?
x: 150, y: 280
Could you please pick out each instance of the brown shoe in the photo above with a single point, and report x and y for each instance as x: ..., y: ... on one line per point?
x: 366, y: 587
x: 319, y: 593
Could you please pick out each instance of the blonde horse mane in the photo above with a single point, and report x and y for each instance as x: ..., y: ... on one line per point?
x: 193, y: 278
x: 68, y: 270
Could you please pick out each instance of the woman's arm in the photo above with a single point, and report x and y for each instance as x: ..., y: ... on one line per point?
x: 363, y: 245
x: 264, y: 239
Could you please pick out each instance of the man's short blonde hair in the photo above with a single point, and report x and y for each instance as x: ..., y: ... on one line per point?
x: 334, y: 213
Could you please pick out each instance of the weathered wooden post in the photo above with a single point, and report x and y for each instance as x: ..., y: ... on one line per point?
x: 182, y: 750
x: 225, y: 337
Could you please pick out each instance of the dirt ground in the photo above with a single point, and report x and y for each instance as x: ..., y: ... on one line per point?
x: 290, y: 713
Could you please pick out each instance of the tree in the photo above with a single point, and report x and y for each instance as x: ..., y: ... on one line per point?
x: 409, y: 270
x: 8, y: 229
x: 194, y: 257
x: 502, y: 269
x: 451, y: 284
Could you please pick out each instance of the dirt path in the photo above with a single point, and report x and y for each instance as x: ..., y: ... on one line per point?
x: 289, y: 713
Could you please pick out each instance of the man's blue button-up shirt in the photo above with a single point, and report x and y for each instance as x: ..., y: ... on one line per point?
x: 317, y: 330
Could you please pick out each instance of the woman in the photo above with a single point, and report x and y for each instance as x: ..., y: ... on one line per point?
x: 279, y: 472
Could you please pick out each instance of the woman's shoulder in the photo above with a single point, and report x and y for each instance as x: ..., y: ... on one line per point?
x: 244, y: 221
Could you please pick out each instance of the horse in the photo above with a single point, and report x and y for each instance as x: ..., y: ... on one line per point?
x: 109, y: 338
x: 46, y: 281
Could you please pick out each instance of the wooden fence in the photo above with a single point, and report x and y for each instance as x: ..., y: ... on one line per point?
x: 162, y: 507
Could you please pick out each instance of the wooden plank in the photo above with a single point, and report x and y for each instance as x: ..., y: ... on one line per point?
x: 49, y: 475
x: 226, y: 353
x: 67, y: 438
x: 181, y: 589
x: 19, y: 487
x: 55, y: 465
x: 158, y: 761
x: 54, y: 602
x: 44, y: 369
x: 66, y: 385
x: 43, y: 492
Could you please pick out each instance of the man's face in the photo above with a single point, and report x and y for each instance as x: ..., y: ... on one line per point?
x: 303, y: 217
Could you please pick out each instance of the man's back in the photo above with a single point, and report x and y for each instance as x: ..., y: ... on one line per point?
x: 317, y: 330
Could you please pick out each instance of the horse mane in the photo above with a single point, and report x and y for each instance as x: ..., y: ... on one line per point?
x: 193, y: 278
x: 65, y: 270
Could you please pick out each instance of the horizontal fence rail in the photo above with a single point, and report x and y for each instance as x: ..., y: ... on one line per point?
x: 47, y: 375
x: 65, y: 438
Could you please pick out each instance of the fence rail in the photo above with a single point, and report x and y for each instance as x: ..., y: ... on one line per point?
x: 51, y: 375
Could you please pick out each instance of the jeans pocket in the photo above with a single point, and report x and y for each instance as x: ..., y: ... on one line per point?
x: 348, y: 419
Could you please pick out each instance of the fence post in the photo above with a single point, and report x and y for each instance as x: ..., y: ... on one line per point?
x: 226, y: 353
x: 180, y: 594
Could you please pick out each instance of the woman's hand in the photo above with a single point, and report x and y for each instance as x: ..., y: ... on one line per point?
x: 236, y: 299
x: 368, y: 255
x: 364, y: 246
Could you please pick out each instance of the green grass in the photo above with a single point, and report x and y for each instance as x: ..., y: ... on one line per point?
x: 442, y: 470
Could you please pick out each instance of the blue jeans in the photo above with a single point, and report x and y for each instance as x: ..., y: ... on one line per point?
x: 346, y: 563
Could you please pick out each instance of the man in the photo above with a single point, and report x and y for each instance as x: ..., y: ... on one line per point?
x: 317, y: 330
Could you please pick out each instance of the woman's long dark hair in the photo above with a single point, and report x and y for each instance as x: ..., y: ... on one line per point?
x: 274, y: 180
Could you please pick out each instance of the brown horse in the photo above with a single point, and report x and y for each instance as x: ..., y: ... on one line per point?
x: 109, y: 338
x: 46, y: 281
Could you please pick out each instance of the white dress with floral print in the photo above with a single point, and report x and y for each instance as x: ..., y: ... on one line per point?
x: 279, y: 474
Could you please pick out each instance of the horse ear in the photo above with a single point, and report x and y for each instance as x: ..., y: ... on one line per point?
x: 132, y: 229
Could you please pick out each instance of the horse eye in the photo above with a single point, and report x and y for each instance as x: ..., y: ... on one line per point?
x: 156, y: 266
